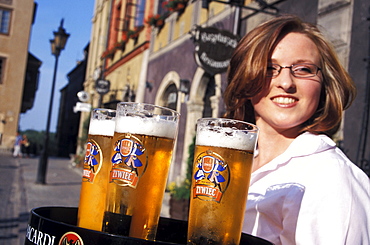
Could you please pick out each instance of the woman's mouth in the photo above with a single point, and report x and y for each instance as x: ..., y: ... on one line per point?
x: 284, y: 100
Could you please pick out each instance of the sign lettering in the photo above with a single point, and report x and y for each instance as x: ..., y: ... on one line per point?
x: 214, y: 48
x: 203, y: 190
x: 38, y: 237
x: 124, y: 175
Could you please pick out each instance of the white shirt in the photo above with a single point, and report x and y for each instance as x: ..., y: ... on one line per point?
x: 310, y: 194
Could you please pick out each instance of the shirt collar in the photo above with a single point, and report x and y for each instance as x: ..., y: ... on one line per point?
x: 305, y: 144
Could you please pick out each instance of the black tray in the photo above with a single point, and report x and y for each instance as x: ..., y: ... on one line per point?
x: 53, y: 225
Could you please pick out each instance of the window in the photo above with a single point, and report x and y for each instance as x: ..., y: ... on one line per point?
x: 4, y: 21
x: 134, y: 14
x: 140, y: 12
x: 116, y: 17
x: 2, y: 69
x: 128, y: 15
x: 170, y: 97
x: 113, y: 32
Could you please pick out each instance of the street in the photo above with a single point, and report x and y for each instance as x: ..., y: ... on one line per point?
x: 19, y: 193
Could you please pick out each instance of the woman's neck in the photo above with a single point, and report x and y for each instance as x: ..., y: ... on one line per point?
x: 271, y: 144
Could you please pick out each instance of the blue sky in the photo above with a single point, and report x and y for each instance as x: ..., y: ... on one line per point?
x: 77, y: 15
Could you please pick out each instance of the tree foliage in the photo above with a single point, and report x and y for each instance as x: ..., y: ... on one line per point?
x: 37, y: 138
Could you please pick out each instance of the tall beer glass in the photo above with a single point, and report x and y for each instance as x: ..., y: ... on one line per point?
x: 143, y: 142
x: 96, y: 169
x: 221, y: 174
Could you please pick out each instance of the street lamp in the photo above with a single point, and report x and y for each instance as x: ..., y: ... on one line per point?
x: 57, y: 45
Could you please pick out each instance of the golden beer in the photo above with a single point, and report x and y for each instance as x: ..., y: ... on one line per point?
x: 221, y: 174
x: 141, y: 157
x: 96, y: 170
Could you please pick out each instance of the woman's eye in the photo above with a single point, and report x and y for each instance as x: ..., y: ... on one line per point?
x: 303, y: 69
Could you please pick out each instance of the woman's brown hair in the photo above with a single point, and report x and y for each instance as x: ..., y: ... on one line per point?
x: 247, y: 74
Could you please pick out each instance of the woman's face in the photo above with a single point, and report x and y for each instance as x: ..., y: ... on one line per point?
x: 289, y: 101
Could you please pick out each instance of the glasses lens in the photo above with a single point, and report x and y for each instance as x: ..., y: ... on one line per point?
x: 304, y: 70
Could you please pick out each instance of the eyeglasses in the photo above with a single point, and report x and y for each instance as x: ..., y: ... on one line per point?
x: 297, y: 70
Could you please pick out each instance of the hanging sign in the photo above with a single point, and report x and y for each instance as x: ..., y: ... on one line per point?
x: 102, y: 86
x: 214, y: 48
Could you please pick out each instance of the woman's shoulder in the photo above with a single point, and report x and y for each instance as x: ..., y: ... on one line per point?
x: 312, y: 155
x: 329, y: 162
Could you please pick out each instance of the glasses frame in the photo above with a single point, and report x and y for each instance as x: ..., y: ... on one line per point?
x: 291, y: 70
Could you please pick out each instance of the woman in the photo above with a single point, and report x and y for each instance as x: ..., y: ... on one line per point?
x: 286, y: 78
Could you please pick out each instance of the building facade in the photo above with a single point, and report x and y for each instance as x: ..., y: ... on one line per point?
x: 118, y: 54
x: 345, y: 23
x: 16, y: 19
x: 163, y: 66
x: 68, y: 114
x: 178, y: 81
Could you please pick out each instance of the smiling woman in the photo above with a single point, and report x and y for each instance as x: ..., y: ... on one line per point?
x: 290, y: 100
x: 285, y: 77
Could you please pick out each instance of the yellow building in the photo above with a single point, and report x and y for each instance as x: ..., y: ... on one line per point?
x: 143, y: 50
x: 16, y: 18
x: 118, y: 54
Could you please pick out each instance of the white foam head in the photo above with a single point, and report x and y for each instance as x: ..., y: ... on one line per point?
x: 226, y: 137
x: 101, y: 127
x: 153, y: 126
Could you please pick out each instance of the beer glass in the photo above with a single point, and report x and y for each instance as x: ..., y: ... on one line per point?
x: 143, y: 142
x: 221, y: 173
x: 96, y: 169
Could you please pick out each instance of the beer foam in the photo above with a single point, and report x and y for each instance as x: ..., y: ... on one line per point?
x: 152, y: 126
x: 225, y: 137
x: 101, y: 127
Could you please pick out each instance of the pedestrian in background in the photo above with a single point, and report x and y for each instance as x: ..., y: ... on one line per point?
x: 17, y: 152
x: 286, y: 78
x: 26, y: 146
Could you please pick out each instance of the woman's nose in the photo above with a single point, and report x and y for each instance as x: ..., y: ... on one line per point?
x: 285, y: 80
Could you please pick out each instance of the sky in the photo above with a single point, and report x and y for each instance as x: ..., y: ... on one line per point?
x: 77, y: 15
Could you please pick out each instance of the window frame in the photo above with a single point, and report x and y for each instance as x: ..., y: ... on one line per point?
x: 2, y: 69
x: 7, y: 25
x: 140, y: 13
